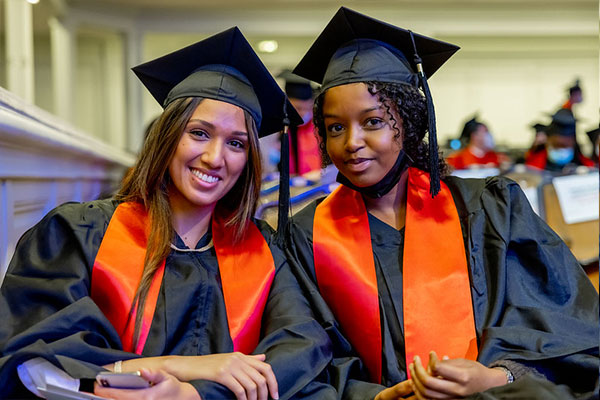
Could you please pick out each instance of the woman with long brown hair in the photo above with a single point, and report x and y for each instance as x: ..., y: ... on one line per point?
x: 406, y: 265
x: 173, y: 277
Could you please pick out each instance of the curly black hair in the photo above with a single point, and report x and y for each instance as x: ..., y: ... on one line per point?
x: 406, y: 101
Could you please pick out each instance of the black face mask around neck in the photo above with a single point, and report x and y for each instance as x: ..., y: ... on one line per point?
x: 386, y: 184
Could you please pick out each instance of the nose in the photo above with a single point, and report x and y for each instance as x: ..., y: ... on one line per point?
x: 213, y: 155
x: 354, y: 139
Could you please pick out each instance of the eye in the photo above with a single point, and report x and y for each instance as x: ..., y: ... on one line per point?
x: 199, y: 133
x: 374, y: 123
x: 237, y: 144
x: 335, y: 129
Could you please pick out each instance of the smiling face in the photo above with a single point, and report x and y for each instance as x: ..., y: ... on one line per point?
x: 360, y: 138
x: 210, y: 156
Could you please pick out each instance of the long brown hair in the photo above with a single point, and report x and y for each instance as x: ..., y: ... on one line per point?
x: 149, y: 182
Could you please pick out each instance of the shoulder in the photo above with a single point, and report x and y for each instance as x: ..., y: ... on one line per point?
x: 473, y: 194
x: 92, y: 214
x: 303, y: 220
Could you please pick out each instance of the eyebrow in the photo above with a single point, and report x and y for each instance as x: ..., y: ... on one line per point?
x: 212, y: 126
x: 365, y: 111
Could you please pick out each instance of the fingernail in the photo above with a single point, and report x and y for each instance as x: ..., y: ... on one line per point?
x: 276, y: 396
x: 417, y: 359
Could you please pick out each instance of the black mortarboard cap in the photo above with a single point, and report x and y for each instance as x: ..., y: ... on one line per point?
x: 222, y: 67
x: 538, y: 127
x: 563, y: 123
x: 356, y: 48
x: 469, y: 127
x: 296, y: 87
x: 575, y: 87
x: 593, y: 135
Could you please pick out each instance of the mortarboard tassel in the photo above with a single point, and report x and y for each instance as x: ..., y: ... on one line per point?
x: 434, y: 175
x: 284, y: 180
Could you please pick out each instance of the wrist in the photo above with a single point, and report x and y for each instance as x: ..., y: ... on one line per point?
x: 504, y: 375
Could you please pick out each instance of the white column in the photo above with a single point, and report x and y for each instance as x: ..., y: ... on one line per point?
x: 114, y: 79
x: 135, y: 127
x: 19, y: 48
x: 62, y: 44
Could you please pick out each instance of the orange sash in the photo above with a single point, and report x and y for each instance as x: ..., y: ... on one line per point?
x: 124, y: 244
x: 435, y: 273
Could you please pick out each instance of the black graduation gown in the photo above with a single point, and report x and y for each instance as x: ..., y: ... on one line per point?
x: 534, y: 308
x: 46, y: 310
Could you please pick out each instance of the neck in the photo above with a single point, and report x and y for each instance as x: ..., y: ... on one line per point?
x: 391, y: 207
x: 190, y: 222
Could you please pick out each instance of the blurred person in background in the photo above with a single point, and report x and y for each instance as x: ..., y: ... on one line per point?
x: 479, y: 150
x: 305, y: 156
x: 561, y: 152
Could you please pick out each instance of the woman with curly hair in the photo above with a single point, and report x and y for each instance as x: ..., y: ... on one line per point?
x: 443, y: 287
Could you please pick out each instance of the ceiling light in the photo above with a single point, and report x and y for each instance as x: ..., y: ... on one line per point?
x: 267, y: 46
x: 33, y: 1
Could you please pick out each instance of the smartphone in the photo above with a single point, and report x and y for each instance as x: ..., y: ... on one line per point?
x: 122, y: 380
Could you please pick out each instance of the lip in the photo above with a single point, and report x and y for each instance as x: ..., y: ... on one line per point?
x: 358, y: 164
x: 202, y: 182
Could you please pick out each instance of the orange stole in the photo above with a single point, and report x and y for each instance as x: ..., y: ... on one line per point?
x: 345, y: 271
x: 124, y: 244
x: 437, y: 304
x: 247, y: 270
x: 118, y: 270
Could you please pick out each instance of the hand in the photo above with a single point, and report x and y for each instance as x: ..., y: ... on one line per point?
x: 165, y: 386
x: 397, y: 391
x: 450, y: 379
x: 248, y: 377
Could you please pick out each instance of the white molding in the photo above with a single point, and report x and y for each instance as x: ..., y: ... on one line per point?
x: 45, y: 161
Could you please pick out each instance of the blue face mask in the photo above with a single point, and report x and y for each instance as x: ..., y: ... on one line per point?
x: 561, y: 156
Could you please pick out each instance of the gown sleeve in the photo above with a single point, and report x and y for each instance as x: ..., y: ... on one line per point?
x: 295, y: 345
x: 45, y: 306
x: 533, y: 303
x: 346, y: 373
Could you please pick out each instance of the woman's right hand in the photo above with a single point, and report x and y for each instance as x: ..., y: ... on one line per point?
x: 248, y: 377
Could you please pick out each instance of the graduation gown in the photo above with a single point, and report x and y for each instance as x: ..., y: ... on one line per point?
x: 46, y: 309
x: 534, y: 308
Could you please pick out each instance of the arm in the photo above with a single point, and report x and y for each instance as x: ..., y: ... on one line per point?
x: 44, y: 300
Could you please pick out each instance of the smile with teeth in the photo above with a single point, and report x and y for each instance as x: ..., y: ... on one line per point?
x: 204, y: 177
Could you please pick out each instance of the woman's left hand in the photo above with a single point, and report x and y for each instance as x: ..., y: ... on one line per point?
x: 451, y: 379
x: 165, y: 386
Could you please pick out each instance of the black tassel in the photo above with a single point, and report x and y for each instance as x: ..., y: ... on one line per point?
x: 434, y: 173
x: 284, y: 180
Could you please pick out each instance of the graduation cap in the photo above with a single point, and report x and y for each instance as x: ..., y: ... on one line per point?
x: 538, y: 127
x: 356, y: 48
x: 575, y: 87
x: 296, y: 87
x: 563, y: 123
x: 222, y: 67
x: 470, y: 127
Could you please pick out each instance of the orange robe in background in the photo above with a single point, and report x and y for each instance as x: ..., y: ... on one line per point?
x: 463, y: 159
x: 309, y: 154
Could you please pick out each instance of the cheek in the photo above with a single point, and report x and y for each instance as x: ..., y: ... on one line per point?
x: 237, y: 163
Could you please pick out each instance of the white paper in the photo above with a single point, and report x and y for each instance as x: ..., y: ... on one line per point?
x: 476, y: 172
x: 578, y: 197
